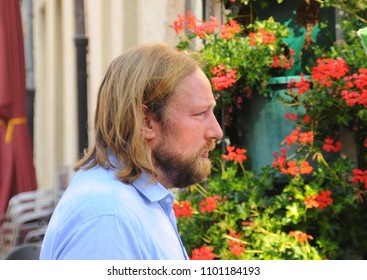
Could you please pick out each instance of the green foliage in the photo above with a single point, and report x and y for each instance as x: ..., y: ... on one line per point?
x: 265, y: 211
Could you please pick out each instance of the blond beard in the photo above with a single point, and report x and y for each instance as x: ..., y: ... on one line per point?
x: 183, y: 171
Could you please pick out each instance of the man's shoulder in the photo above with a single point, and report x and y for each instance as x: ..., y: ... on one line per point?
x: 98, y: 190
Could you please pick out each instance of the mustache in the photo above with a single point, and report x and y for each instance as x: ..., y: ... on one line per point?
x: 210, y: 146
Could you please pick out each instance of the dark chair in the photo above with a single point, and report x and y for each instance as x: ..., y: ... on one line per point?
x: 30, y: 251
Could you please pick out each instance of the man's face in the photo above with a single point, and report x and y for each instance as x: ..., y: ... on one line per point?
x: 182, y: 143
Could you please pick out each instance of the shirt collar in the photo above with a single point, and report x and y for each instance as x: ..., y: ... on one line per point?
x: 152, y: 190
x: 149, y: 188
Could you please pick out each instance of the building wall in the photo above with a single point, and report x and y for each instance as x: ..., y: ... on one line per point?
x: 55, y: 139
x: 111, y: 27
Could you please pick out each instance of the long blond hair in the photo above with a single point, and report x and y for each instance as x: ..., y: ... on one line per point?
x: 145, y: 75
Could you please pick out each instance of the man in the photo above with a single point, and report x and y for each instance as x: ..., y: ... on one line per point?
x: 154, y: 129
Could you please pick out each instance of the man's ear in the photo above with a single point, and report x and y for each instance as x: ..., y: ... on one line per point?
x: 149, y: 124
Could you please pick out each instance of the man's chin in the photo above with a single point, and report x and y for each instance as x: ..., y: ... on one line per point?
x: 182, y: 173
x: 197, y: 175
x: 203, y: 170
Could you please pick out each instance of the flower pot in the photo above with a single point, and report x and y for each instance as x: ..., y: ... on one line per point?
x: 303, y: 20
x: 261, y: 124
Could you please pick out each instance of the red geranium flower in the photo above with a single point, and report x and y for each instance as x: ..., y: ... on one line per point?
x: 203, y: 253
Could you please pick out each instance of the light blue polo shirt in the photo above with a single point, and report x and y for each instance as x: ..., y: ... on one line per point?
x: 99, y: 217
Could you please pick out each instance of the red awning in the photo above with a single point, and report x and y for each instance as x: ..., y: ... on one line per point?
x: 17, y: 172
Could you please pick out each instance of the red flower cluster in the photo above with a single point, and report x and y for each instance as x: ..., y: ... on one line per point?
x: 331, y: 145
x: 235, y: 245
x: 207, y: 27
x: 306, y: 137
x: 321, y: 200
x: 230, y: 29
x: 223, y: 78
x: 301, y: 237
x: 234, y: 154
x: 209, y: 204
x: 179, y: 23
x: 293, y: 137
x: 198, y: 27
x: 291, y: 116
x: 203, y: 253
x: 303, y: 85
x: 201, y: 29
x: 359, y: 176
x: 357, y: 89
x: 328, y: 69
x: 182, y: 209
x: 302, y: 137
x: 262, y: 37
x: 280, y: 161
x: 295, y: 169
x: 306, y: 119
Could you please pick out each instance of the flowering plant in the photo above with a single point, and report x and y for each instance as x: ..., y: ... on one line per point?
x: 238, y: 216
x: 237, y: 59
x: 302, y: 207
x: 309, y: 203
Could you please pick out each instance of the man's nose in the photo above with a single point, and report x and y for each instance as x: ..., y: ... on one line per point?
x: 214, y: 131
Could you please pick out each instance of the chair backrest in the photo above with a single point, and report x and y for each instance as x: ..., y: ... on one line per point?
x: 27, y: 212
x: 30, y: 251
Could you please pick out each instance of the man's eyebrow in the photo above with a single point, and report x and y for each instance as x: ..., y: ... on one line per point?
x: 211, y: 106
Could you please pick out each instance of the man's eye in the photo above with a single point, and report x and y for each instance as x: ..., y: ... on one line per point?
x: 200, y: 114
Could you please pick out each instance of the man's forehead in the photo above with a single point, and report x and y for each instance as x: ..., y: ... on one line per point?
x: 195, y: 86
